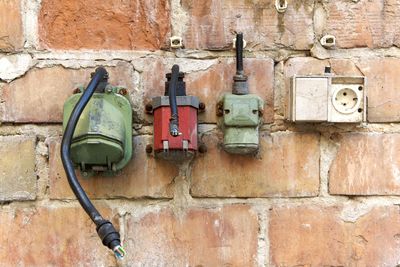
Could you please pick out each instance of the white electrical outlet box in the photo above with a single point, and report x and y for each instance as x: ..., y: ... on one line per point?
x: 327, y: 99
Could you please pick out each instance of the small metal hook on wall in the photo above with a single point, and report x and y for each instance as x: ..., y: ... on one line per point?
x: 281, y: 5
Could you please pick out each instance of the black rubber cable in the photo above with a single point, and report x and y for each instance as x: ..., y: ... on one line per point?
x: 105, y: 229
x: 174, y: 120
x: 239, y: 53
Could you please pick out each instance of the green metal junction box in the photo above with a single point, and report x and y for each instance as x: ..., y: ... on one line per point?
x: 102, y: 141
x: 241, y: 121
x: 241, y: 111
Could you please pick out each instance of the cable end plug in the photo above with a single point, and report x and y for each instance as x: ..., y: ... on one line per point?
x: 174, y: 126
x: 119, y: 252
x: 111, y: 238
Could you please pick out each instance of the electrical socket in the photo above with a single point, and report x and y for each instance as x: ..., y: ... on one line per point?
x: 347, y: 99
x: 327, y: 99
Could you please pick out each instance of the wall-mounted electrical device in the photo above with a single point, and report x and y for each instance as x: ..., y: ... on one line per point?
x: 328, y: 98
x: 97, y: 139
x: 241, y: 112
x: 175, y: 120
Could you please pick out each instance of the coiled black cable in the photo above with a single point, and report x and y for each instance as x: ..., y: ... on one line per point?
x: 106, y: 231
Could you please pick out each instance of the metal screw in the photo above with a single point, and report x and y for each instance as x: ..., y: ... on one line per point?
x: 123, y: 91
x: 149, y: 108
x: 220, y: 110
x: 202, y: 106
x: 202, y: 148
x: 149, y: 149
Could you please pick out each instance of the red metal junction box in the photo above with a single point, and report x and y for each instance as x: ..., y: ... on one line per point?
x: 185, y: 144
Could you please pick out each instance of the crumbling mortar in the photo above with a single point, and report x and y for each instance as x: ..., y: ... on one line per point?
x: 41, y: 169
x: 263, y: 244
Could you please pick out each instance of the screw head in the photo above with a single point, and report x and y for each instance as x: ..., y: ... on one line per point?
x: 149, y: 108
x: 220, y: 109
x: 123, y: 91
x: 149, y: 149
x: 202, y: 106
x: 202, y: 148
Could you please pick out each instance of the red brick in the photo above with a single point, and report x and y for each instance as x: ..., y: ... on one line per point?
x: 51, y: 236
x: 39, y: 96
x: 365, y: 23
x: 323, y: 236
x: 112, y: 24
x: 18, y: 177
x: 375, y: 239
x: 210, y: 84
x: 383, y: 93
x: 212, y: 23
x: 287, y: 166
x: 143, y: 177
x: 11, y: 30
x: 366, y: 164
x: 225, y: 236
x: 306, y: 236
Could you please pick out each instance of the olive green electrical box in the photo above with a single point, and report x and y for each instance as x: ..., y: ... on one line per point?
x: 241, y: 120
x: 102, y: 141
x: 241, y: 111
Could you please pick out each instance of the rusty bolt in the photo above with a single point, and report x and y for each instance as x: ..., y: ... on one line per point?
x: 202, y: 106
x: 149, y: 148
x: 149, y: 108
x: 202, y: 148
x: 123, y: 91
x: 220, y: 110
x: 76, y: 91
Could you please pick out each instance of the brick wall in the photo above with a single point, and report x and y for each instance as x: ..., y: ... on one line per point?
x: 315, y: 195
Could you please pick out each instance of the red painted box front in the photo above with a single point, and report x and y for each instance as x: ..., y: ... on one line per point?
x: 187, y: 126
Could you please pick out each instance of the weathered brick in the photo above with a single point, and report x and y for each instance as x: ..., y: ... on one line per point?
x: 375, y: 238
x: 325, y: 236
x: 144, y: 176
x: 211, y: 83
x: 366, y: 164
x: 18, y: 178
x: 112, y: 24
x: 288, y: 166
x: 364, y: 23
x: 306, y: 236
x: 225, y: 236
x: 11, y: 31
x: 51, y: 236
x: 383, y: 93
x: 212, y: 23
x: 39, y: 96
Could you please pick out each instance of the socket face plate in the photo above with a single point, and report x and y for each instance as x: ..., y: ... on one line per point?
x: 347, y: 100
